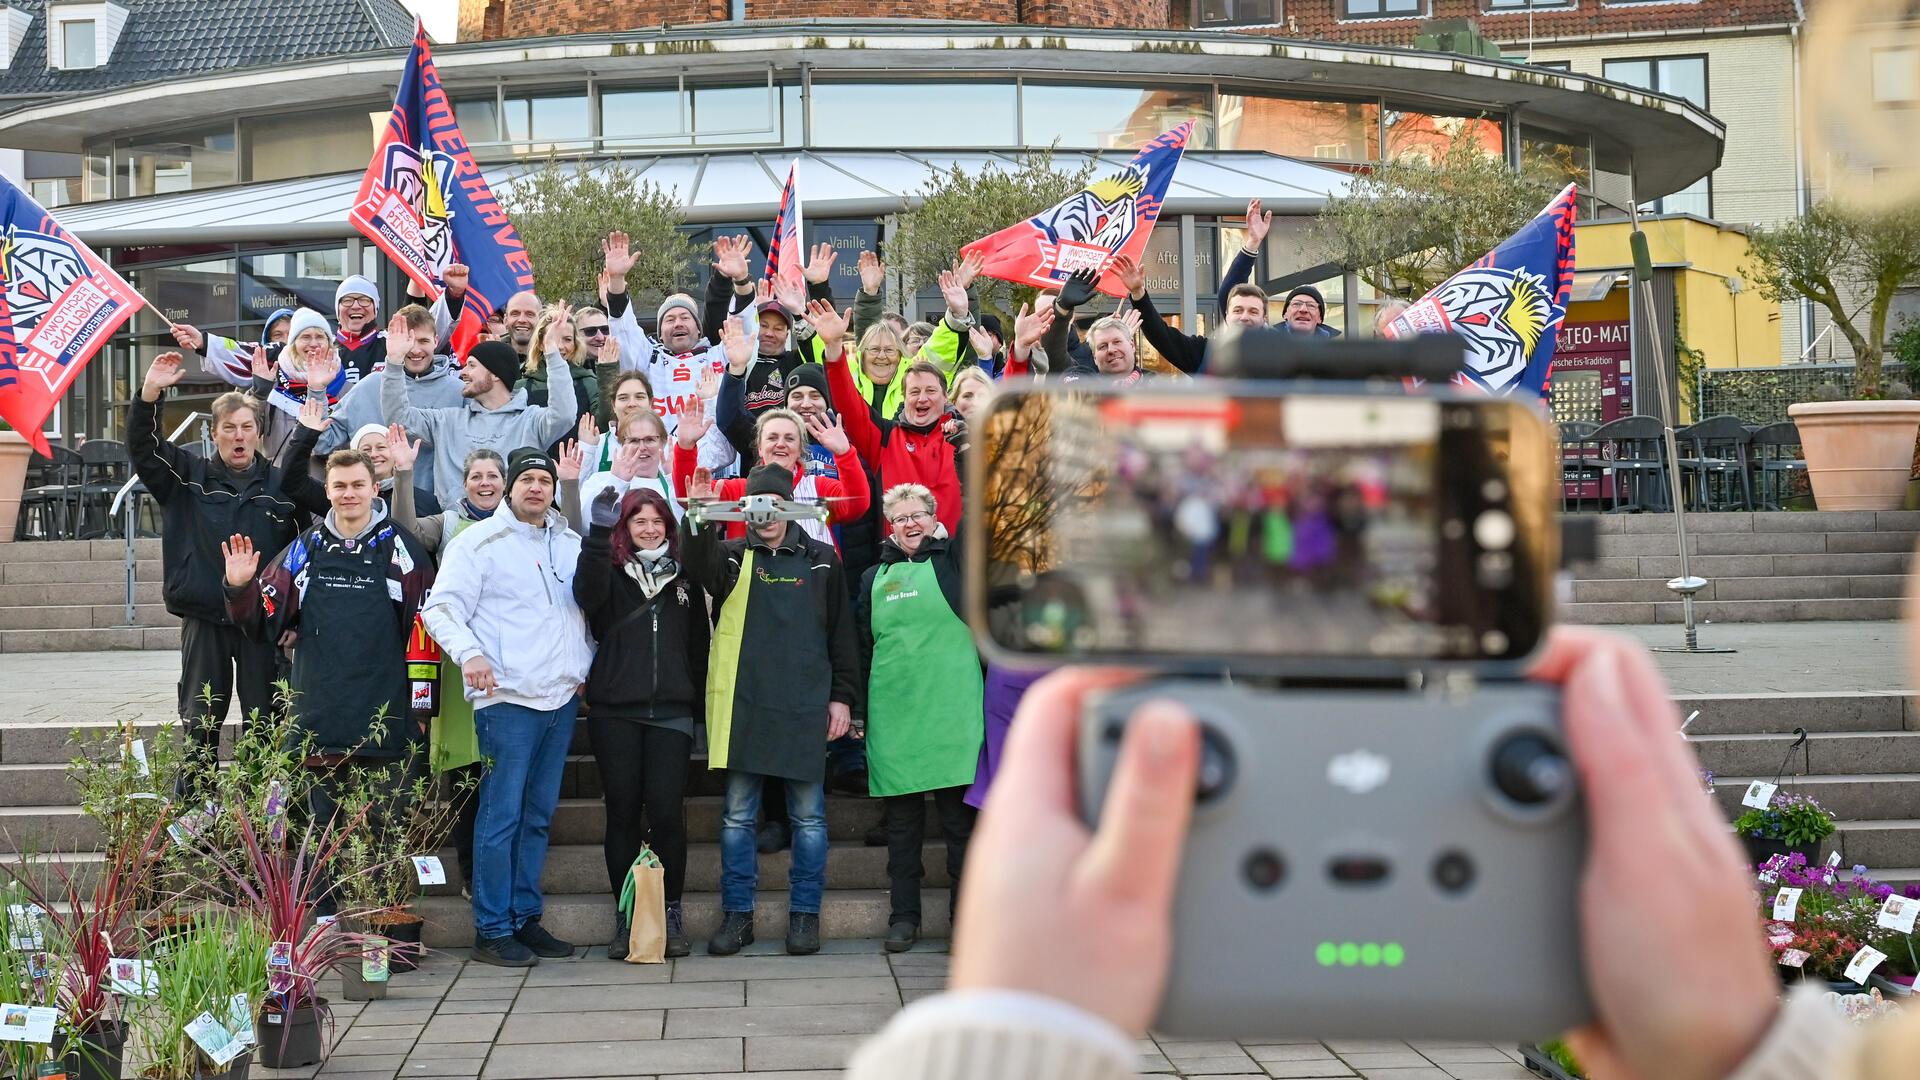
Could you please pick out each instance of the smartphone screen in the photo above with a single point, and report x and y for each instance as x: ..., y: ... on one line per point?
x: 1186, y: 522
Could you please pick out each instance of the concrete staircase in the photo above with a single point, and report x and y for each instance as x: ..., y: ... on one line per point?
x: 70, y: 596
x: 1762, y: 567
x: 1863, y: 763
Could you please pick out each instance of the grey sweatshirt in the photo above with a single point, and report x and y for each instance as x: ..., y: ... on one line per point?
x: 439, y: 388
x: 458, y: 430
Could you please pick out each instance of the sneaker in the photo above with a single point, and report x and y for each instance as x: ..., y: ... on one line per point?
x: 617, y: 948
x: 676, y: 934
x: 803, y: 933
x: 901, y: 935
x: 773, y: 836
x: 535, y: 937
x: 877, y: 836
x: 502, y: 952
x: 735, y: 933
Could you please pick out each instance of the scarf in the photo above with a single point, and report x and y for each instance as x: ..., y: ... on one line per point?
x: 472, y: 512
x: 652, y: 569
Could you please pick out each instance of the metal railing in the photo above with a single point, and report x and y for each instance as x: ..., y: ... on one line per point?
x: 122, y: 496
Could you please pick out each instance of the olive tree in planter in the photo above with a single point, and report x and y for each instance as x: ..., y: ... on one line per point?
x: 1852, y: 263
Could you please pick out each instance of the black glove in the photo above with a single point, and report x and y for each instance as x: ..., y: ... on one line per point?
x: 606, y: 508
x: 1078, y: 289
x: 957, y: 435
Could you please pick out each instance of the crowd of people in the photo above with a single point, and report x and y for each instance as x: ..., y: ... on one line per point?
x: 519, y: 515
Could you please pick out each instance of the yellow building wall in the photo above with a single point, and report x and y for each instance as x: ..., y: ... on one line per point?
x: 1721, y: 315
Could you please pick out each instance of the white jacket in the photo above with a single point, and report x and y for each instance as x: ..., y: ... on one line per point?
x: 505, y: 592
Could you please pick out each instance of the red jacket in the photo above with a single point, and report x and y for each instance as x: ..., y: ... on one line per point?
x: 847, y: 498
x: 900, y: 454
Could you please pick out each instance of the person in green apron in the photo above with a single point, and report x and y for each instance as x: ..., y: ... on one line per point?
x: 452, y: 745
x: 924, y: 718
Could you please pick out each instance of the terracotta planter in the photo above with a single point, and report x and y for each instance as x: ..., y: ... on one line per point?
x: 14, y: 454
x: 1859, y: 453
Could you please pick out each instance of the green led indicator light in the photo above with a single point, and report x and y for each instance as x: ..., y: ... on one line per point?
x: 1359, y: 954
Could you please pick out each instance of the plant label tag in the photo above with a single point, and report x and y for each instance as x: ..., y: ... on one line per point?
x: 429, y: 869
x: 137, y: 753
x: 1785, y: 903
x: 240, y: 1019
x: 51, y: 1070
x: 1759, y: 795
x: 1833, y: 860
x: 1863, y: 964
x: 132, y: 978
x: 27, y: 1023
x: 24, y: 930
x: 214, y: 1040
x: 1768, y: 877
x: 374, y: 964
x: 276, y: 811
x: 1898, y: 913
x: 1794, y: 958
x: 139, y: 795
x: 280, y: 955
x: 40, y: 966
x: 1779, y: 939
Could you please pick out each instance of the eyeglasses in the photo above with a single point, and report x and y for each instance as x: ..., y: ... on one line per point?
x: 648, y: 440
x: 596, y: 331
x: 904, y: 520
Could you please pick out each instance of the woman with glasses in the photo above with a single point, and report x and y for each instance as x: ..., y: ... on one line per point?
x: 631, y: 458
x: 923, y: 708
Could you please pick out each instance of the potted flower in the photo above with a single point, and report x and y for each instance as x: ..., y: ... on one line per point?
x: 1789, y: 824
x: 198, y: 1023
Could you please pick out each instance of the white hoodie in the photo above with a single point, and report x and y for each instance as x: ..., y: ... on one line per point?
x: 505, y: 592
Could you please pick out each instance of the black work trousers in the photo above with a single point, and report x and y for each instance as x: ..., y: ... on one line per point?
x: 216, y: 660
x: 907, y: 831
x: 643, y: 772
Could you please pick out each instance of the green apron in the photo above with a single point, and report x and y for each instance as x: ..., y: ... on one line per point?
x: 924, y: 719
x: 451, y: 741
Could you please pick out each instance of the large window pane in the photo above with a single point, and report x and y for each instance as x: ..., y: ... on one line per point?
x: 1334, y: 130
x: 180, y: 161
x: 1111, y: 117
x: 1696, y: 198
x: 643, y: 113
x: 290, y: 279
x: 1233, y: 12
x: 77, y: 44
x: 1555, y: 159
x: 724, y: 115
x: 200, y: 293
x: 738, y: 115
x: 546, y: 122
x: 1361, y: 9
x: 479, y: 119
x: 941, y: 114
x: 1428, y: 136
x: 1896, y: 76
x: 1685, y: 78
x: 306, y: 144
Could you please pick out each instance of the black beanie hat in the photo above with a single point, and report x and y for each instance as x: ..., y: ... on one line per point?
x: 1307, y: 290
x: 499, y: 358
x: 991, y: 324
x: 809, y: 375
x: 775, y: 480
x: 526, y: 459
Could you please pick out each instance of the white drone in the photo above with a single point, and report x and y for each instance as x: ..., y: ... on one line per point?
x: 762, y: 509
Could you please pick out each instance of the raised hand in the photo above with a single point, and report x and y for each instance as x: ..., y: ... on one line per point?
x: 730, y: 256
x: 1078, y: 289
x: 165, y: 371
x: 570, y: 460
x: 1030, y: 326
x: 967, y: 268
x: 701, y: 488
x: 763, y: 294
x: 187, y: 336
x: 321, y: 372
x: 626, y: 461
x: 739, y: 348
x: 605, y: 511
x: 1257, y: 225
x: 829, y: 326
x: 587, y: 431
x: 562, y: 324
x: 262, y: 368
x: 694, y: 423
x: 953, y: 292
x: 831, y: 436
x: 399, y: 339
x: 820, y: 264
x: 616, y: 254
x: 610, y: 351
x: 1131, y: 319
x: 983, y: 346
x: 454, y: 279
x: 242, y: 560
x: 792, y: 294
x: 401, y: 453
x: 709, y: 386
x: 873, y: 273
x: 313, y: 412
x: 1132, y: 276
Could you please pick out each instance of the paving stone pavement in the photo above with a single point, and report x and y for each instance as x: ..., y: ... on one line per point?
x: 762, y: 1014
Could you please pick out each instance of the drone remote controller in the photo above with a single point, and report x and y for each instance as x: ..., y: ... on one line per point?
x: 1369, y: 863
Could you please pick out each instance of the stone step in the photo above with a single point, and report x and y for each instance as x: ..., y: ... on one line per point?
x: 1730, y: 611
x: 1825, y: 564
x: 1887, y: 842
x: 107, y: 639
x: 82, y: 618
x: 1881, y: 796
x: 587, y: 920
x: 1633, y: 545
x: 40, y: 573
x: 1775, y: 713
x: 77, y: 550
x: 1648, y: 590
x: 1829, y: 521
x: 1867, y: 753
x: 145, y: 591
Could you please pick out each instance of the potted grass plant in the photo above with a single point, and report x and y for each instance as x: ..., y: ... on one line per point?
x: 28, y: 975
x: 409, y: 813
x: 1791, y: 824
x: 205, y: 984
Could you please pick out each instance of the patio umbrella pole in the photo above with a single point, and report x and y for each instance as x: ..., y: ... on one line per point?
x: 1686, y: 584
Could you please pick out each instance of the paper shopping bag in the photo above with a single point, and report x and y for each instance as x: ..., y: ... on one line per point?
x: 644, y: 900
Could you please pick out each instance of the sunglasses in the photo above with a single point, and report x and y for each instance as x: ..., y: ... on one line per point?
x: 595, y: 331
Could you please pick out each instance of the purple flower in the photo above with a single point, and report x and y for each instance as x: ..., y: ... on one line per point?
x: 1859, y: 870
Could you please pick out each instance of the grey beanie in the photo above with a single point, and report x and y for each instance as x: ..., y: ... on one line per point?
x: 677, y: 300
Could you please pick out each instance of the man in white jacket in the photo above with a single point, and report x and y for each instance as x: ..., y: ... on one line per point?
x: 503, y: 609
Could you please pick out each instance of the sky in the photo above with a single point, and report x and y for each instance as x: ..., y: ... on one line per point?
x: 442, y: 16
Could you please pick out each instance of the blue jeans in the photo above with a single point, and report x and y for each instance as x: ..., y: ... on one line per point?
x: 740, y: 860
x: 526, y: 751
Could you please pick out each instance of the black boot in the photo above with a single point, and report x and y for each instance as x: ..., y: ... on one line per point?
x: 803, y: 933
x: 735, y: 933
x: 676, y: 934
x: 901, y: 934
x: 617, y: 948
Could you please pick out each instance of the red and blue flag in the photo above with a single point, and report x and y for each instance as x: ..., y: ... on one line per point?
x: 425, y: 202
x: 1508, y: 305
x: 787, y: 249
x: 1113, y: 215
x: 59, y: 304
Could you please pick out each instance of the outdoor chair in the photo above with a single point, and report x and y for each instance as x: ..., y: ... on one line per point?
x: 1715, y: 449
x: 1579, y: 460
x: 48, y: 506
x: 1633, y: 454
x: 1776, y: 457
x: 105, y: 466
